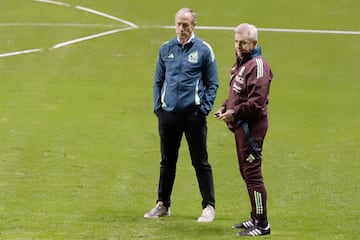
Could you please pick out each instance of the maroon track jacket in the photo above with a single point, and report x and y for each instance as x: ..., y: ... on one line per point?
x: 249, y: 92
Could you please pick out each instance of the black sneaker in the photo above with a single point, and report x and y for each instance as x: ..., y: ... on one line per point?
x: 246, y: 224
x: 255, y: 231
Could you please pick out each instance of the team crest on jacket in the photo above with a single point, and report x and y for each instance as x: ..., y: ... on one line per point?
x: 238, y: 81
x: 193, y: 57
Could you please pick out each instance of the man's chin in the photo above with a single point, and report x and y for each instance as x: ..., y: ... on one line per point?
x: 239, y: 55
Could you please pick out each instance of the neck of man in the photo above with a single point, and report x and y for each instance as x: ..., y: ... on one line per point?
x: 184, y: 41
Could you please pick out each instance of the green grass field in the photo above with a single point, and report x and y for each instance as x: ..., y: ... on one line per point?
x: 79, y: 147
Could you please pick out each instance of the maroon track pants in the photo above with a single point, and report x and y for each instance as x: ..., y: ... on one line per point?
x: 250, y: 168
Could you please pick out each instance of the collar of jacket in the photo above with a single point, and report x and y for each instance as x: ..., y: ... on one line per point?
x: 190, y: 41
x: 256, y: 52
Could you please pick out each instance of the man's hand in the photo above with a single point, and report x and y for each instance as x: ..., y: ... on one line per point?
x: 227, y: 116
x: 218, y: 113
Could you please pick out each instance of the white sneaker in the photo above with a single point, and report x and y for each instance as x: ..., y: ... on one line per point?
x: 208, y: 214
x: 158, y: 211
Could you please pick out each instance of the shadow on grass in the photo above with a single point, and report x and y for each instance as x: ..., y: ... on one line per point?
x: 129, y: 223
x: 174, y: 227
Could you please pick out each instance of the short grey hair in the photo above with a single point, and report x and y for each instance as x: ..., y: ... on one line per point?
x: 187, y: 10
x: 249, y: 29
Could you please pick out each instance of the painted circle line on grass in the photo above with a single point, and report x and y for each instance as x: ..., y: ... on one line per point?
x: 63, y: 44
x: 19, y: 52
x: 134, y: 26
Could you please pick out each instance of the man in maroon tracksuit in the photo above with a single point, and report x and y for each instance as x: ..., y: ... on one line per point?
x: 245, y: 113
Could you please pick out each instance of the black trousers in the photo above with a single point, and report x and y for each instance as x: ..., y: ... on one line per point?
x: 172, y: 126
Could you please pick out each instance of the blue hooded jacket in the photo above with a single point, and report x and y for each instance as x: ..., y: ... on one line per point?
x: 186, y: 77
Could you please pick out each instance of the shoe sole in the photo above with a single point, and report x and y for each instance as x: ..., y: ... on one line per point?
x: 154, y: 217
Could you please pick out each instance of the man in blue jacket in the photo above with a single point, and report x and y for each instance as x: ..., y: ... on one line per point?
x: 185, y: 86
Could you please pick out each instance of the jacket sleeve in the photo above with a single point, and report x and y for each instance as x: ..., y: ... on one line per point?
x: 211, y: 82
x: 258, y: 84
x: 158, y: 82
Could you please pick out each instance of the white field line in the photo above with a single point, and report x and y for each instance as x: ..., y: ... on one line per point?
x: 53, y: 2
x: 19, y: 52
x: 276, y: 30
x: 133, y: 26
x: 107, y: 16
x: 84, y: 25
x: 309, y: 31
x: 79, y: 25
x: 63, y: 44
x: 91, y: 11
